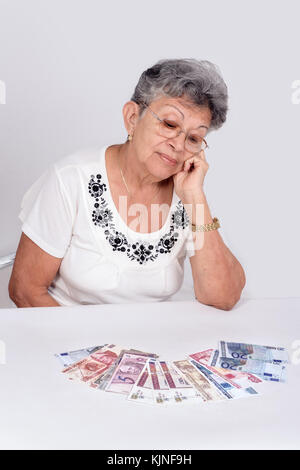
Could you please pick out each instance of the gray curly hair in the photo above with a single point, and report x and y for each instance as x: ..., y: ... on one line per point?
x: 200, y: 80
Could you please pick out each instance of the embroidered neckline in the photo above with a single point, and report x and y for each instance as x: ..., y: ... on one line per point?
x: 140, y: 251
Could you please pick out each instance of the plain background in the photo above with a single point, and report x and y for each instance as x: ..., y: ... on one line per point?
x: 70, y: 65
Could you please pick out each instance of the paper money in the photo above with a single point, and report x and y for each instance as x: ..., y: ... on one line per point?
x: 224, y: 386
x: 102, y: 382
x: 159, y: 383
x: 242, y: 351
x: 172, y: 376
x: 207, y: 391
x: 202, y: 356
x: 265, y: 370
x: 180, y: 389
x: 93, y: 366
x: 206, y: 376
x: 162, y: 393
x: 142, y: 391
x: 237, y: 378
x: 126, y: 373
x: 68, y: 358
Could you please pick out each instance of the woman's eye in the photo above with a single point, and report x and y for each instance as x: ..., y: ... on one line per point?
x: 195, y: 140
x: 169, y: 124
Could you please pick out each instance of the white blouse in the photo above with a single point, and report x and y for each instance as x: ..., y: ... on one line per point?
x: 69, y: 212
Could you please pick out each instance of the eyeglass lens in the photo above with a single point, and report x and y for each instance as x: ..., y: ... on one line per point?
x: 170, y: 129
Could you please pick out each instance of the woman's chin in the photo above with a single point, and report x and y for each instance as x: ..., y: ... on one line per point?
x: 161, y: 174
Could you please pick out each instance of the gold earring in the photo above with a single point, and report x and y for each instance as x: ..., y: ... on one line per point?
x: 129, y: 137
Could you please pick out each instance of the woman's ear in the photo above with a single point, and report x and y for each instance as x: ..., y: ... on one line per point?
x: 130, y: 116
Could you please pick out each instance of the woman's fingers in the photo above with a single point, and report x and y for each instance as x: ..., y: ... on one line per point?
x: 196, y: 160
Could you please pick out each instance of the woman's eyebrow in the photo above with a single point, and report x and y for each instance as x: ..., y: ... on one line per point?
x: 176, y: 108
x: 173, y: 106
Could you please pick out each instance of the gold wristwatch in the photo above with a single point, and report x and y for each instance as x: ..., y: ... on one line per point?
x: 206, y: 227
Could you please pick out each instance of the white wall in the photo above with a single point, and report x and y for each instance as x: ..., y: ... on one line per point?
x: 69, y: 66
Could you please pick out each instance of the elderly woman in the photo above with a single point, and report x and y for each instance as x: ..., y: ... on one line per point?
x: 115, y: 223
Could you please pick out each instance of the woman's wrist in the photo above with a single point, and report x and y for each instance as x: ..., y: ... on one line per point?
x: 197, y: 208
x: 193, y: 197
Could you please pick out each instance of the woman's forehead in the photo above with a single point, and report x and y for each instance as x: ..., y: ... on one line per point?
x: 183, y: 106
x: 185, y: 109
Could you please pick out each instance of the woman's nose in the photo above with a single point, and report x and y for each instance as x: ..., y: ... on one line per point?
x: 178, y: 141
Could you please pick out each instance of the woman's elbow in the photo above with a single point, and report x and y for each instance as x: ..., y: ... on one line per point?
x: 221, y: 305
x: 226, y: 301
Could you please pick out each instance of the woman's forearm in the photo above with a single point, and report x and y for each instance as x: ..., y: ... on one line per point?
x: 218, y: 276
x: 41, y: 299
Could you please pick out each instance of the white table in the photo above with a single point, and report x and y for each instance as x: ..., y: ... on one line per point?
x: 41, y: 409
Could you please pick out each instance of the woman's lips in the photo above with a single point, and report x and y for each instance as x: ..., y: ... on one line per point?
x: 167, y: 159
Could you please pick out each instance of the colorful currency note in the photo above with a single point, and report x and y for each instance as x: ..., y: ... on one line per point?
x: 265, y: 370
x: 102, y: 382
x: 173, y: 377
x: 225, y: 387
x: 180, y: 389
x: 206, y: 375
x: 237, y: 378
x: 126, y: 373
x: 244, y: 351
x: 93, y: 366
x: 207, y: 391
x: 162, y: 384
x: 68, y: 358
x: 142, y: 391
x: 202, y: 356
x: 159, y: 383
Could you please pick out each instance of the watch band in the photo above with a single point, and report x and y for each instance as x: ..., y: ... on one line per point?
x: 206, y: 227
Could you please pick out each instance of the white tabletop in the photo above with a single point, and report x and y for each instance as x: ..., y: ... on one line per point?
x: 41, y: 409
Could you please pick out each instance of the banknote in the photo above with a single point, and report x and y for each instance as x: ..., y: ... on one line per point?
x: 265, y: 370
x: 173, y: 377
x: 244, y: 351
x: 142, y: 391
x: 102, y: 382
x: 180, y: 389
x: 161, y: 391
x: 126, y: 373
x: 148, y: 382
x: 88, y: 369
x: 202, y: 356
x: 237, y: 378
x: 224, y: 386
x: 68, y: 358
x: 210, y: 375
x: 160, y: 383
x: 207, y: 391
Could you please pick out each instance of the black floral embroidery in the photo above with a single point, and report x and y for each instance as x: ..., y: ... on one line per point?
x: 117, y: 240
x: 180, y: 217
x: 102, y: 216
x: 142, y: 252
x: 96, y: 187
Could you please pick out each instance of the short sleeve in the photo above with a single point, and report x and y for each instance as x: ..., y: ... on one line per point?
x: 47, y: 214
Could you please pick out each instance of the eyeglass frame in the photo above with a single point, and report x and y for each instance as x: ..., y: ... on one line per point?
x: 181, y: 131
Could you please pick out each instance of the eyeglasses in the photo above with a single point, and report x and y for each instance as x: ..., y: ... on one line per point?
x: 166, y: 128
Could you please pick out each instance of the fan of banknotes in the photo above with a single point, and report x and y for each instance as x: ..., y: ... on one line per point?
x: 211, y: 375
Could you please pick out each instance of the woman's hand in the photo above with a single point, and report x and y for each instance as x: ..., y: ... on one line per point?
x: 188, y: 182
